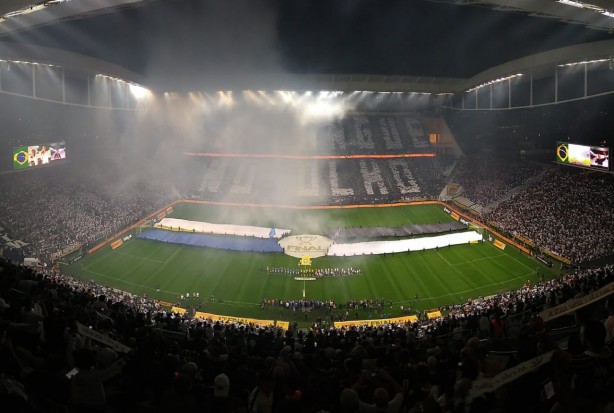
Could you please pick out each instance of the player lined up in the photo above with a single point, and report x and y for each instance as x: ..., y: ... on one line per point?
x: 313, y: 272
x: 365, y: 304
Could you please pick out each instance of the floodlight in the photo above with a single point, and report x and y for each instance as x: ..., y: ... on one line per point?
x: 138, y: 91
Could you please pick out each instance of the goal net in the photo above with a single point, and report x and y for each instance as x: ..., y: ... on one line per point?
x: 148, y: 224
x: 480, y: 229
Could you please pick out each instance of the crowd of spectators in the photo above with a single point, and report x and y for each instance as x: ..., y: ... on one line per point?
x: 57, y: 212
x: 335, y: 181
x: 569, y: 213
x: 485, y: 179
x: 174, y: 363
x: 312, y: 181
x: 374, y: 134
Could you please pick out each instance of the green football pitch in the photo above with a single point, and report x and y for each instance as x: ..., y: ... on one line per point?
x: 238, y: 282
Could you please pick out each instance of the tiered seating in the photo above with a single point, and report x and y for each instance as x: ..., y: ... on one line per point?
x: 569, y: 212
x: 59, y: 210
x: 338, y: 181
x: 485, y: 179
x: 132, y: 356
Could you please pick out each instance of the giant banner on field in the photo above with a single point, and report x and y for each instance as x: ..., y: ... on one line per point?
x: 299, y: 246
x: 185, y: 225
x: 404, y: 245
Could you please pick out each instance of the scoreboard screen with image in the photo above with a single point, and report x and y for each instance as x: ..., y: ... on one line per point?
x: 34, y: 156
x: 590, y: 157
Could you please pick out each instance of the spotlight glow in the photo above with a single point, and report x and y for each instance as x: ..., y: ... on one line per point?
x: 138, y: 91
x: 492, y: 82
x: 584, y: 62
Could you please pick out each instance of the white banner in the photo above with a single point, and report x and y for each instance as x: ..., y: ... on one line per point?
x: 176, y: 224
x: 485, y: 385
x: 101, y: 338
x: 575, y: 304
x: 404, y: 245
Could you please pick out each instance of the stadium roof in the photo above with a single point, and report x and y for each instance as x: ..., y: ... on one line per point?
x: 594, y: 14
x: 420, y: 45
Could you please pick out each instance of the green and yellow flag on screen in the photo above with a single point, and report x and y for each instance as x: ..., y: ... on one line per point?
x: 20, y: 157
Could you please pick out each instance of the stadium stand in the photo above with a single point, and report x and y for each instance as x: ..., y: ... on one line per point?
x: 376, y: 133
x: 567, y: 213
x: 339, y: 181
x: 484, y: 179
x: 57, y: 212
x: 137, y: 357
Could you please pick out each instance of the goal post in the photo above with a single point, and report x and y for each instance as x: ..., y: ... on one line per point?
x: 137, y: 230
x: 480, y: 229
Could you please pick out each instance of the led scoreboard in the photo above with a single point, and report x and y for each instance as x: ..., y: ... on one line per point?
x: 589, y: 157
x: 25, y: 157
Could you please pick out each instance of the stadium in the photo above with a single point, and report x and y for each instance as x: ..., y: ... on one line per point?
x: 265, y: 206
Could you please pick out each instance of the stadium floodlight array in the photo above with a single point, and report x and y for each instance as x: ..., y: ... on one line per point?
x: 30, y: 9
x: 138, y: 91
x: 587, y: 6
x: 9, y: 61
x: 492, y: 82
x: 586, y: 62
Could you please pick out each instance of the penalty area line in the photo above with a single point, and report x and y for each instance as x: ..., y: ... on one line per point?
x: 477, y: 259
x: 128, y: 282
x: 466, y: 291
x: 138, y: 258
x: 445, y: 260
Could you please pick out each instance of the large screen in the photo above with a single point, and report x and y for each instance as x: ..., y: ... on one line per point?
x: 591, y: 157
x: 33, y: 156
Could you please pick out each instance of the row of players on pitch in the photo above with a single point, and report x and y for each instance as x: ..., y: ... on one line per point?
x: 313, y: 272
x: 366, y: 304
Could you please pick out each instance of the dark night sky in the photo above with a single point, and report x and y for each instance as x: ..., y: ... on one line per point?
x: 191, y: 38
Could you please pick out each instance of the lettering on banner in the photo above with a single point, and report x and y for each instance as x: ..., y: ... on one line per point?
x: 230, y: 319
x: 13, y: 243
x: 300, y: 245
x: 558, y: 257
x: 499, y: 244
x: 244, y: 178
x: 284, y: 325
x: 403, y: 176
x: 372, y: 178
x: 573, y: 305
x: 433, y: 314
x: 101, y: 338
x: 116, y: 244
x: 178, y: 310
x: 373, y: 323
x: 486, y: 385
x: 335, y: 186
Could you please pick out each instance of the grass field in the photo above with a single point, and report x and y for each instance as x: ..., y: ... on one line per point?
x: 438, y: 277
